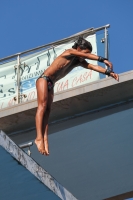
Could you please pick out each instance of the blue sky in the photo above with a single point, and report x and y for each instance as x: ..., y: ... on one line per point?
x: 28, y: 24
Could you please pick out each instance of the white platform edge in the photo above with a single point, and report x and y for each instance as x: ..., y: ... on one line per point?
x: 34, y: 168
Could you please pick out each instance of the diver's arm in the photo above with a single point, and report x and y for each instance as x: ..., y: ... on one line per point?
x: 91, y: 57
x: 83, y: 55
x: 100, y: 69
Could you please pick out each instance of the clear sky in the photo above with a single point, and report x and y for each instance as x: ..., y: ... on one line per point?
x: 25, y: 24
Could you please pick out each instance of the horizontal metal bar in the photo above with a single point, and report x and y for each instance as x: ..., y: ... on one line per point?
x: 58, y: 42
x: 102, y: 27
x: 26, y: 145
x: 89, y: 31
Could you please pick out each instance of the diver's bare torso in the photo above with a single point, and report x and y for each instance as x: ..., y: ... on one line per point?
x: 62, y: 65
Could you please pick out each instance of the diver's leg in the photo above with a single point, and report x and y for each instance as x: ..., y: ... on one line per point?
x: 42, y: 98
x: 45, y: 121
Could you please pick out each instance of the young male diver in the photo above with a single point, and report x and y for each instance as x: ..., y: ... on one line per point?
x: 60, y: 67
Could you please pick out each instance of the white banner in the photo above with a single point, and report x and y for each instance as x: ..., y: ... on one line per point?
x: 33, y: 65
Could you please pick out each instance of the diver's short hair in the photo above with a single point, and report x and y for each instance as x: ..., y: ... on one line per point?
x: 82, y: 43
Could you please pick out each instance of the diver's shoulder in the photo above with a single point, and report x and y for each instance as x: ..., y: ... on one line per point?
x: 68, y: 52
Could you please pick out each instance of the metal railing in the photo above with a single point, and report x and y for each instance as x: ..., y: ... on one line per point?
x: 19, y: 55
x: 26, y: 145
x: 89, y: 31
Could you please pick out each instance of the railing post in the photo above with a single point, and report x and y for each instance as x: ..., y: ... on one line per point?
x: 18, y: 80
x: 106, y: 45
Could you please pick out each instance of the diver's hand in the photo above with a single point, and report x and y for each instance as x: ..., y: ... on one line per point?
x: 115, y: 76
x: 109, y: 64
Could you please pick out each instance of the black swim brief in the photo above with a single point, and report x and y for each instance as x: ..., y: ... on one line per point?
x: 49, y: 81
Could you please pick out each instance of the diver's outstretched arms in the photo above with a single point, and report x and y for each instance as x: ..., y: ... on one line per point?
x: 100, y: 69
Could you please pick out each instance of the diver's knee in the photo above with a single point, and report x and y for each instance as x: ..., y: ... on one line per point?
x: 42, y: 107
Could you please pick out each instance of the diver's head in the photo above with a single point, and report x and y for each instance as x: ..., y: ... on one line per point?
x: 82, y: 44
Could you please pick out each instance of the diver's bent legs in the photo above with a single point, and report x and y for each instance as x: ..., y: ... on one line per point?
x: 42, y: 98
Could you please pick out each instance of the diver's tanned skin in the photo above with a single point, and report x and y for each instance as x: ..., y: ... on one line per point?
x: 60, y: 67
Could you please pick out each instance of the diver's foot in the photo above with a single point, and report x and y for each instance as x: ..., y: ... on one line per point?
x: 40, y: 145
x: 46, y: 146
